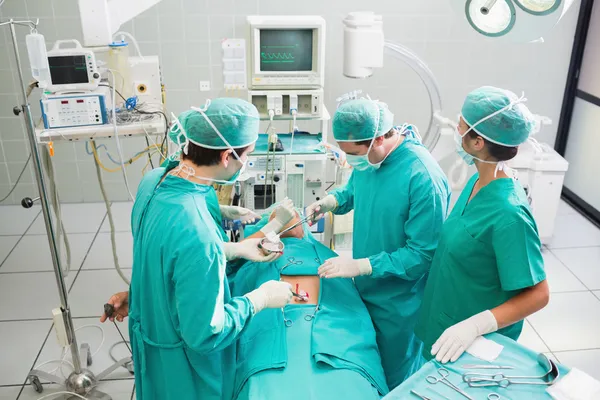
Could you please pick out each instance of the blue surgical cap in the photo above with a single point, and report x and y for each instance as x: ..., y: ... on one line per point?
x: 510, y: 127
x: 236, y: 119
x: 361, y: 119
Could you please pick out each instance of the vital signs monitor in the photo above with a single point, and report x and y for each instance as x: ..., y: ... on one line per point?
x: 286, y: 52
x: 72, y: 69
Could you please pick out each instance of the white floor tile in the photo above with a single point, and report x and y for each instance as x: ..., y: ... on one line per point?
x: 101, y: 255
x: 584, y: 263
x: 574, y: 230
x: 20, y: 344
x: 16, y: 219
x: 529, y: 338
x: 118, y: 390
x: 565, y: 209
x: 77, y: 218
x: 92, y: 289
x: 33, y: 253
x: 560, y: 279
x: 92, y: 336
x: 586, y: 360
x: 6, y: 245
x: 570, y: 322
x: 9, y: 393
x: 28, y: 295
x: 121, y: 211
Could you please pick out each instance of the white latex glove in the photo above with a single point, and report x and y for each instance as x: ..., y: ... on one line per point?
x: 243, y: 214
x: 321, y: 207
x: 342, y: 267
x: 247, y: 249
x: 271, y: 294
x: 284, y: 213
x: 456, y: 339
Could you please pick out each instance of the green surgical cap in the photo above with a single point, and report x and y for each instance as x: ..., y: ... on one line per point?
x: 361, y: 119
x: 236, y: 119
x: 510, y: 128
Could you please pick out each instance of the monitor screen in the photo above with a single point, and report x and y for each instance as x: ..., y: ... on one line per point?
x: 66, y: 70
x: 283, y: 50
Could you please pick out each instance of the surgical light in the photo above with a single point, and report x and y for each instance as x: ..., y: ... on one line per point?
x: 513, y: 20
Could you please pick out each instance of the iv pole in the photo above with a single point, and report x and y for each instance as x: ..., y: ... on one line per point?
x: 81, y: 381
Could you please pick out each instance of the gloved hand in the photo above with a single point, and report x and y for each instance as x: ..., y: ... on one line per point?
x: 342, y: 267
x: 247, y: 249
x: 284, y: 213
x: 321, y: 207
x: 271, y: 294
x: 243, y: 214
x: 456, y: 339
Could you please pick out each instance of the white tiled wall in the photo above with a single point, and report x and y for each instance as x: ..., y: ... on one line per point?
x: 186, y: 34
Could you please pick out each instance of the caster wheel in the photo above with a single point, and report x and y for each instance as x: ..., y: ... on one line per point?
x: 89, y: 359
x: 36, y: 384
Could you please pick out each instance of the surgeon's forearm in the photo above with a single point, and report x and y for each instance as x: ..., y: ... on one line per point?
x: 521, y: 306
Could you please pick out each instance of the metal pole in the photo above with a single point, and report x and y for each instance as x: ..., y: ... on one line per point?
x: 39, y: 174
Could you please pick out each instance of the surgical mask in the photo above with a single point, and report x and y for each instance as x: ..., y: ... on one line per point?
x: 362, y: 163
x: 470, y: 159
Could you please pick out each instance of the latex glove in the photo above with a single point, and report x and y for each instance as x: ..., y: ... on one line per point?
x: 342, y: 267
x: 284, y: 213
x: 120, y: 301
x: 456, y: 339
x: 271, y: 294
x: 248, y: 249
x: 243, y: 214
x: 321, y: 207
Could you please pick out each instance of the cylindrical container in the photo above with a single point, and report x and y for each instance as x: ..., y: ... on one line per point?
x: 363, y: 44
x: 118, y: 62
x: 38, y: 58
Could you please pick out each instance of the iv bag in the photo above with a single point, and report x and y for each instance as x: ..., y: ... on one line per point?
x: 38, y: 58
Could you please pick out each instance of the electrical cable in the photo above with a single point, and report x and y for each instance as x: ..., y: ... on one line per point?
x: 18, y: 179
x: 148, y: 145
x: 116, y: 131
x: 30, y: 87
x: 110, y: 216
x: 55, y: 202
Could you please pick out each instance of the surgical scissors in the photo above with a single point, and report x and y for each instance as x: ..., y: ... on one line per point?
x: 495, y: 396
x: 444, y: 373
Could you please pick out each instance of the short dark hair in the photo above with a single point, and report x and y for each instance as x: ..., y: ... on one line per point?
x: 499, y: 152
x: 202, y: 156
x: 367, y: 142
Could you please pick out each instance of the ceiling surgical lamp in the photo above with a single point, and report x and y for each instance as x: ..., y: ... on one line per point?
x: 364, y: 45
x: 513, y: 20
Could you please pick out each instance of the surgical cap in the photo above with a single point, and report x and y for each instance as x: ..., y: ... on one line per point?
x: 510, y: 127
x: 361, y: 119
x: 236, y: 119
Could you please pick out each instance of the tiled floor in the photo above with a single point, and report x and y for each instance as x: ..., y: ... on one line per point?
x: 28, y: 292
x: 568, y: 329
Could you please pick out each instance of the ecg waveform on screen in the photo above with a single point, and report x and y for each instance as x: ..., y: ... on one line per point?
x: 277, y: 57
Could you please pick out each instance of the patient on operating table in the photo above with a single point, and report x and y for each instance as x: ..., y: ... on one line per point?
x: 320, y: 346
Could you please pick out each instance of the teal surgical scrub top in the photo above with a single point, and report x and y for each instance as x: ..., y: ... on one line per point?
x: 488, y: 253
x: 399, y: 210
x: 183, y: 323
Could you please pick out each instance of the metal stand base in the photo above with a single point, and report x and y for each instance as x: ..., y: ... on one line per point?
x: 82, y: 383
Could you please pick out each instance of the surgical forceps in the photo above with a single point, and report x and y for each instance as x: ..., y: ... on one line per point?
x: 420, y: 395
x: 291, y: 261
x: 444, y: 373
x: 501, y: 380
x: 307, y: 317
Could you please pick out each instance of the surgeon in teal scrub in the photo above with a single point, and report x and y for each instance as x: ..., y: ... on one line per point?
x: 488, y: 273
x: 400, y: 198
x: 183, y: 323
